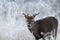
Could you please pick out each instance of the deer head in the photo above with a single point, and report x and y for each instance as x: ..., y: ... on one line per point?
x: 30, y: 20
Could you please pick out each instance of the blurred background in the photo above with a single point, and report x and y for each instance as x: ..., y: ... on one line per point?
x: 12, y: 22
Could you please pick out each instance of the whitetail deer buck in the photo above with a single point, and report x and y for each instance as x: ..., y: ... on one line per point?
x: 49, y: 24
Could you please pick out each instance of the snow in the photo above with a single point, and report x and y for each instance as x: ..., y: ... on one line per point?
x: 12, y: 22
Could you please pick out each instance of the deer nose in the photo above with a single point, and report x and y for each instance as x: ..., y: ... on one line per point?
x: 28, y: 25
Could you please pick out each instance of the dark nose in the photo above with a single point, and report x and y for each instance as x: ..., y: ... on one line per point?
x: 28, y: 25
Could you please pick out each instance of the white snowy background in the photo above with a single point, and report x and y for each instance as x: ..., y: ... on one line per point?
x: 12, y: 22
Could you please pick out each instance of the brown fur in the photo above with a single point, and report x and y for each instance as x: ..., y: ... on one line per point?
x: 45, y: 25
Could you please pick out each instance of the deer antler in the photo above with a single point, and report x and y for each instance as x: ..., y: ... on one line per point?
x: 35, y: 14
x: 26, y: 15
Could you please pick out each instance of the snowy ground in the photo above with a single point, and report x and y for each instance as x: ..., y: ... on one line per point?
x: 12, y: 22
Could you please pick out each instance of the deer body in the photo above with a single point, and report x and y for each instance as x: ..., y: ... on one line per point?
x: 45, y: 25
x: 49, y: 24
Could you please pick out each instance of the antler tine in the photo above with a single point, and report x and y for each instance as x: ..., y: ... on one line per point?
x: 25, y: 14
x: 36, y: 13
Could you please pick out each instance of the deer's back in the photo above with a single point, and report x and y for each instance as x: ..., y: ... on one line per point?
x: 45, y: 24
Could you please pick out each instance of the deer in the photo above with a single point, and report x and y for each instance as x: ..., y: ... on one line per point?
x: 45, y: 25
